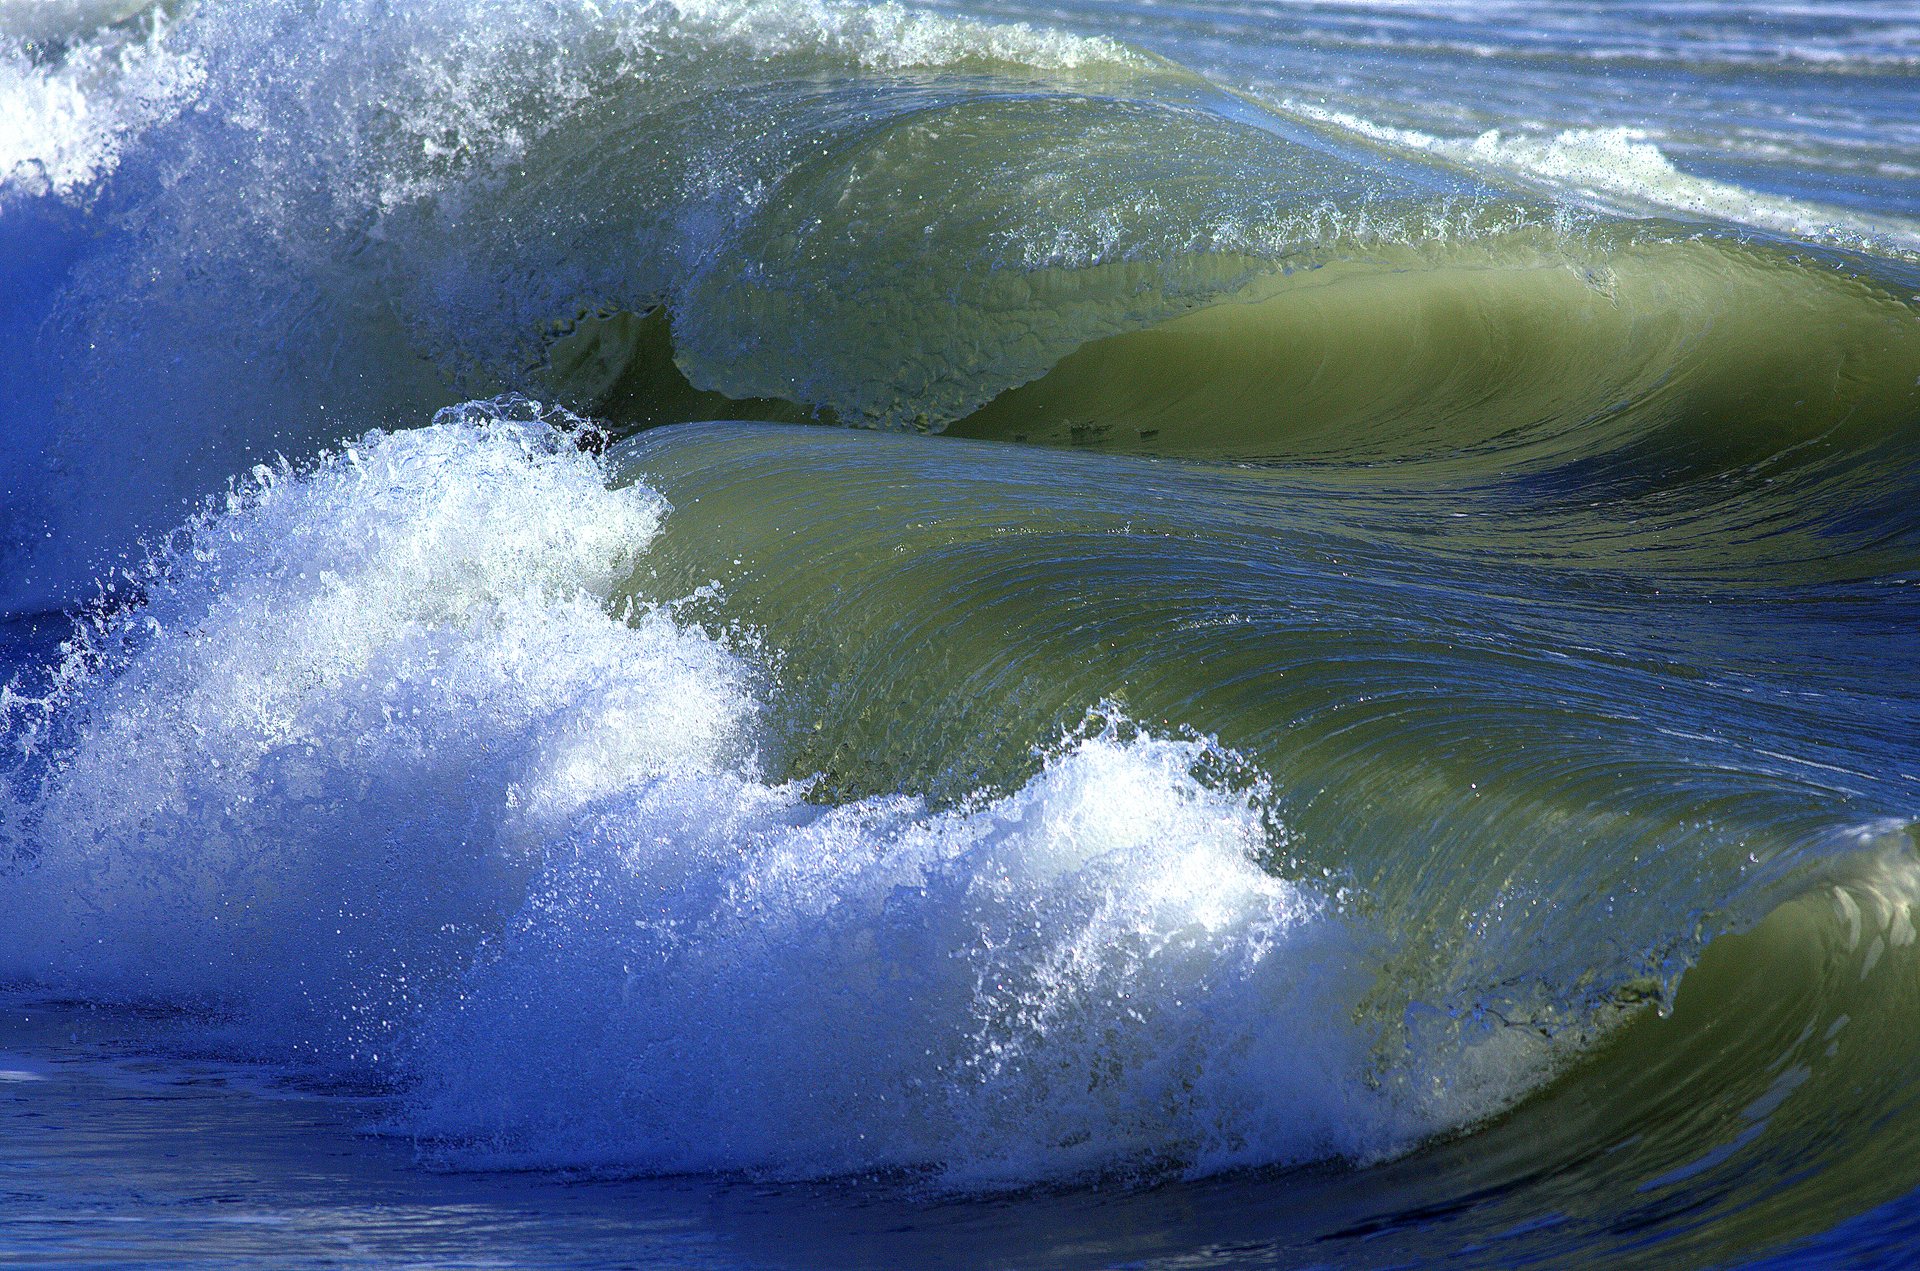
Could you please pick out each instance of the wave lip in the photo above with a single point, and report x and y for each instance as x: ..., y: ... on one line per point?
x: 237, y: 784
x: 1088, y: 976
x: 379, y: 775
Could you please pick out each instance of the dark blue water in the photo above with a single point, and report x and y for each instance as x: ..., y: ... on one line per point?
x: 799, y: 634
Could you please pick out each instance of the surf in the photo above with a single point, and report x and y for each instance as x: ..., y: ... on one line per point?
x: 814, y: 593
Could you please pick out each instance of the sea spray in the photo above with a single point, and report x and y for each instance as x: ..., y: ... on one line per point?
x: 375, y: 775
x: 286, y: 776
x: 1087, y: 976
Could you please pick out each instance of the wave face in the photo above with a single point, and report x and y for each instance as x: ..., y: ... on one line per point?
x: 881, y: 216
x: 817, y: 591
x: 400, y: 665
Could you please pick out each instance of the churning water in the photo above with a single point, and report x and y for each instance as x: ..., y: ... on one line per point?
x: 1262, y: 632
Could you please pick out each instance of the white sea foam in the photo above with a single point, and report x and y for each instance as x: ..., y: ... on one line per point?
x: 117, y: 67
x: 1623, y: 170
x: 292, y: 767
x: 1087, y: 975
x: 376, y: 769
x: 889, y: 36
x: 66, y: 118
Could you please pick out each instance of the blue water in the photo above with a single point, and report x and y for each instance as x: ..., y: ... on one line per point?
x: 1249, y: 633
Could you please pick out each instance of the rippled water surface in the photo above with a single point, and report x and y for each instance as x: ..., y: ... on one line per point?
x: 802, y: 634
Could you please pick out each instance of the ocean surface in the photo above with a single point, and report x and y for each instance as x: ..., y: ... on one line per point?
x: 1151, y: 633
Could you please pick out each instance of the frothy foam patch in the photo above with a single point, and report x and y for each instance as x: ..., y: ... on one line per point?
x: 376, y: 770
x: 1624, y: 163
x: 1091, y: 974
x: 1623, y: 170
x: 79, y: 83
x: 293, y: 773
x: 890, y: 36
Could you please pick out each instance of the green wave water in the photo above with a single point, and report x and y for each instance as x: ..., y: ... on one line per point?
x: 1011, y: 620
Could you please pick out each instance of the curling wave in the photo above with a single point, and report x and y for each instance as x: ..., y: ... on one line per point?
x: 1390, y: 662
x: 375, y: 772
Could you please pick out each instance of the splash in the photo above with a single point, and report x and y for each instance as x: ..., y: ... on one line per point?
x: 79, y: 83
x: 378, y: 775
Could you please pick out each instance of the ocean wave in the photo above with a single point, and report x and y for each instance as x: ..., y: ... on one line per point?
x: 374, y: 772
x: 398, y: 766
x: 1623, y: 170
x: 803, y: 212
x: 1400, y: 658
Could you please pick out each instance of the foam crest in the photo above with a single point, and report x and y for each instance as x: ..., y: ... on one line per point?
x: 1088, y: 975
x: 317, y: 756
x: 371, y: 769
x: 1623, y: 170
x: 78, y: 84
x: 890, y: 36
x: 1624, y: 164
x: 80, y: 81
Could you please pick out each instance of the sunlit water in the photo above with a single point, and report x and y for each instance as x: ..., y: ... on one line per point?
x: 808, y: 635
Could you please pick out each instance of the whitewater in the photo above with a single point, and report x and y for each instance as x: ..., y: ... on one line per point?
x: 796, y: 634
